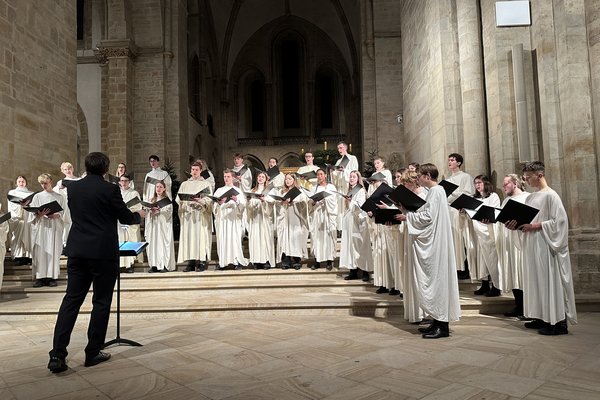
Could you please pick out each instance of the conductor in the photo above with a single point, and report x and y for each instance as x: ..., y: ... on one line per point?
x: 93, y: 258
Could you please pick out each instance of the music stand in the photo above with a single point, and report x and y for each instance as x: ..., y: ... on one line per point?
x: 126, y: 249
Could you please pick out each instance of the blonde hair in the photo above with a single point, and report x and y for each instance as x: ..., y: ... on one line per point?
x: 66, y: 164
x: 43, y: 178
x: 410, y: 177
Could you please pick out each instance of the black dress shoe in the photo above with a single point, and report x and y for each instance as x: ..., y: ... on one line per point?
x: 38, y: 283
x: 394, y: 292
x: 493, y: 292
x: 267, y: 265
x: 201, y: 267
x: 536, y: 324
x: 427, y: 329
x: 129, y: 270
x: 560, y: 328
x: 365, y: 276
x: 191, y: 266
x: 152, y: 270
x: 238, y: 267
x: 485, y: 287
x: 439, y: 331
x: 329, y: 266
x: 351, y: 276
x: 316, y: 265
x: 382, y: 290
x: 297, y: 266
x: 163, y: 270
x: 52, y: 283
x: 97, y: 359
x: 57, y: 364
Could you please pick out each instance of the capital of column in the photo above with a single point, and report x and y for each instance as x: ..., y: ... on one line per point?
x: 115, y: 49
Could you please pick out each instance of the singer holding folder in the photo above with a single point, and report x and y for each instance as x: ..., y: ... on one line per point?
x: 93, y: 258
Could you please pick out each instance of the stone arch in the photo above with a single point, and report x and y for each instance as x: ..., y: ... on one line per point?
x: 83, y: 141
x: 290, y: 160
x: 247, y: 104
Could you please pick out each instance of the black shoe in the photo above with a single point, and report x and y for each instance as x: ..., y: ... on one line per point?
x: 382, y: 290
x: 219, y: 268
x: 257, y: 265
x: 365, y: 276
x: 163, y: 270
x: 201, y: 267
x: 38, y: 283
x: 394, y: 292
x: 57, y: 364
x: 238, y: 267
x: 560, y: 328
x: 191, y: 266
x: 152, y: 270
x: 329, y: 266
x: 428, y: 329
x: 463, y: 275
x: 97, y: 359
x: 316, y: 265
x: 438, y: 331
x: 286, y: 262
x: 129, y: 270
x: 297, y: 266
x: 52, y: 283
x: 485, y: 287
x: 351, y: 276
x: 267, y: 265
x: 536, y: 324
x: 493, y: 292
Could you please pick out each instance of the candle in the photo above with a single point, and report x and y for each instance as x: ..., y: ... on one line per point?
x: 325, y: 145
x: 350, y: 147
x: 302, y: 151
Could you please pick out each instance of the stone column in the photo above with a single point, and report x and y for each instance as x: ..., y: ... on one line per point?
x: 118, y: 57
x: 471, y: 77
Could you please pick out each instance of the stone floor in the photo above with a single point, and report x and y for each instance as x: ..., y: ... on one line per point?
x: 308, y: 357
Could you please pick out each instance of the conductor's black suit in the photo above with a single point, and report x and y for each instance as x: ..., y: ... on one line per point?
x: 93, y: 258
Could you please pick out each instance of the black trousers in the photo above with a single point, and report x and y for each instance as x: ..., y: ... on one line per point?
x: 82, y: 273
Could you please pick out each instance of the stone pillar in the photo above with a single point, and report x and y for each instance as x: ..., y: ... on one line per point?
x: 472, y: 85
x: 118, y: 57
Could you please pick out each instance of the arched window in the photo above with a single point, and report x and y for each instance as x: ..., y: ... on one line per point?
x: 257, y: 106
x: 194, y: 88
x: 290, y: 83
x: 326, y: 103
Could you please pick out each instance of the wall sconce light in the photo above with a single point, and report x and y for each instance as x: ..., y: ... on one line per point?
x: 399, y: 118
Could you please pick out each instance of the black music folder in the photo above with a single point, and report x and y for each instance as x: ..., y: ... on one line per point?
x: 308, y: 175
x: 153, y: 181
x: 484, y: 213
x: 192, y: 196
x: 291, y: 195
x: 273, y: 172
x: 114, y: 179
x: 522, y: 213
x: 467, y: 202
x: 319, y: 196
x: 205, y: 174
x: 351, y: 193
x: 380, y: 194
x: 160, y: 204
x: 21, y: 200
x: 131, y: 249
x: 369, y: 205
x: 53, y: 206
x: 5, y: 218
x: 227, y: 195
x: 133, y: 202
x: 241, y: 172
x: 448, y: 186
x: 376, y: 177
x: 386, y: 216
x: 407, y: 198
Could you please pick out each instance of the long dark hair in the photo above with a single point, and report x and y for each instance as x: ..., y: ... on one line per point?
x: 488, y: 188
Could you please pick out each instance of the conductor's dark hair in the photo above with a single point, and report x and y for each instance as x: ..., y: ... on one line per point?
x: 429, y: 169
x: 96, y: 163
x: 153, y: 157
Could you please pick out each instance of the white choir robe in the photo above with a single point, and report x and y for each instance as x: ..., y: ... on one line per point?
x: 310, y: 183
x: 433, y: 257
x: 410, y: 286
x: 547, y: 282
x: 261, y: 237
x: 229, y: 228
x: 3, y: 234
x: 510, y: 252
x: 210, y: 180
x: 130, y: 233
x: 355, y: 249
x: 278, y: 180
x: 486, y: 262
x: 195, y: 234
x: 244, y: 182
x: 340, y: 180
x: 159, y: 235
x: 462, y: 235
x: 292, y: 226
x: 66, y: 217
x: 323, y: 228
x: 20, y: 230
x: 161, y: 175
x: 398, y: 268
x: 383, y: 247
x: 46, y: 237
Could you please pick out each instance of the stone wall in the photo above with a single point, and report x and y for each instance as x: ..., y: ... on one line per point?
x: 38, y: 103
